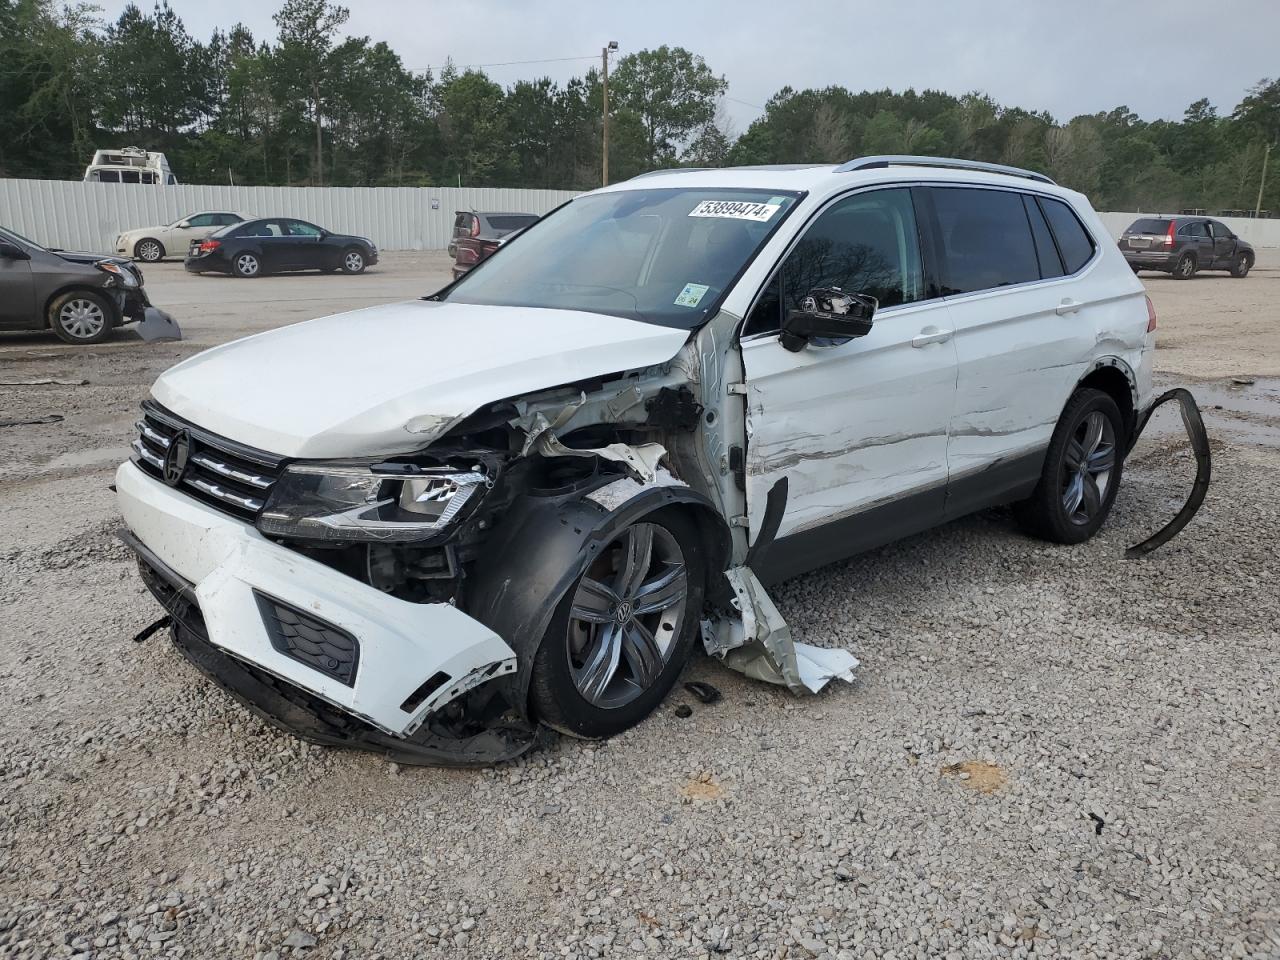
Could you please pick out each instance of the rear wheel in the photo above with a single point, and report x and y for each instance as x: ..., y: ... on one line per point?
x: 246, y: 265
x: 148, y: 250
x: 81, y: 317
x: 1240, y: 265
x: 1081, y: 471
x: 1185, y: 268
x: 624, y: 630
x: 352, y: 261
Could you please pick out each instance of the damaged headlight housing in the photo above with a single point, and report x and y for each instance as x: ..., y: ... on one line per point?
x: 121, y: 273
x: 385, y: 503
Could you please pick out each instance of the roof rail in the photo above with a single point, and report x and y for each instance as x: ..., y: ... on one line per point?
x: 872, y: 163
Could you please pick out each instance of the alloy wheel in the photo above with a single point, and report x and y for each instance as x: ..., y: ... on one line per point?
x: 149, y: 251
x: 1087, y: 465
x: 626, y: 616
x: 247, y: 264
x: 82, y: 318
x: 354, y: 262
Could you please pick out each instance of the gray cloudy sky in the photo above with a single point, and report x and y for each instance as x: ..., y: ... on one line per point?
x: 1068, y: 58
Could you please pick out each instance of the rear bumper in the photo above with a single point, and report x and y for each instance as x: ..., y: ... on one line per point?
x: 216, y: 570
x: 1155, y: 259
x: 205, y: 264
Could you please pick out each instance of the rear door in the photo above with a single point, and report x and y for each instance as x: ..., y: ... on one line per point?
x: 857, y: 428
x: 1022, y: 339
x: 1195, y: 238
x: 272, y: 238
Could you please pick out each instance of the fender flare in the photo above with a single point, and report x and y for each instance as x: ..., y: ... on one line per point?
x: 545, y: 543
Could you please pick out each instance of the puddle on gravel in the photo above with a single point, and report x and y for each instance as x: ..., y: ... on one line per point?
x: 1247, y: 411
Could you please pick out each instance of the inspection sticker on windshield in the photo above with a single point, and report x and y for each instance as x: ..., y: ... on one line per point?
x: 735, y: 210
x: 692, y: 294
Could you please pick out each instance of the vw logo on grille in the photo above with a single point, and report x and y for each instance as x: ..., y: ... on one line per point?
x: 175, y: 458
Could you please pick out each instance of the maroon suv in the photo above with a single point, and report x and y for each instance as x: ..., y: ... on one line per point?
x: 477, y: 235
x: 1184, y: 245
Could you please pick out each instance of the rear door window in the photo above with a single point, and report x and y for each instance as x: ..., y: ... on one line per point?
x: 986, y: 239
x: 1194, y: 229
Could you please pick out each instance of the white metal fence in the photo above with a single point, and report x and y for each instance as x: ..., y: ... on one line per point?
x: 88, y: 216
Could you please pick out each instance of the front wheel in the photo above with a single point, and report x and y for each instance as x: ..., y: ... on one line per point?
x: 353, y: 261
x: 246, y: 265
x: 149, y: 250
x: 1081, y: 471
x: 81, y: 317
x: 623, y: 631
x: 1240, y: 266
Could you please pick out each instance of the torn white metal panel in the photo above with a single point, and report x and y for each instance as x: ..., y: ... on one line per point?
x: 614, y: 495
x: 851, y: 424
x: 541, y: 436
x: 758, y: 642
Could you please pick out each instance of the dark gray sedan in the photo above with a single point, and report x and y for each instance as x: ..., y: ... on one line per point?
x: 80, y: 296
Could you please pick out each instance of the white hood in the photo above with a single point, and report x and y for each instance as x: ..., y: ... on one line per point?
x: 389, y: 379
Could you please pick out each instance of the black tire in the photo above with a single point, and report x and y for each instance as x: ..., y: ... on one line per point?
x: 554, y: 696
x: 1186, y: 267
x: 1240, y: 266
x: 246, y: 265
x: 148, y: 250
x: 353, y: 260
x: 1134, y: 267
x: 82, y: 317
x: 1045, y: 513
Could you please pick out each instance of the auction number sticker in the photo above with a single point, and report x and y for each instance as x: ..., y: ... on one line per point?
x: 692, y: 294
x: 736, y: 210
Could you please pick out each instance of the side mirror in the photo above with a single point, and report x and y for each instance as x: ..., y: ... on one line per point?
x: 828, y: 313
x: 185, y: 225
x: 10, y: 251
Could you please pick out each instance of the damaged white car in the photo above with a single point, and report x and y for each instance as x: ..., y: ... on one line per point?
x: 426, y: 528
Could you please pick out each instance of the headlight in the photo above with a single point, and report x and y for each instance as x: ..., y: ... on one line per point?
x: 355, y: 504
x: 123, y: 274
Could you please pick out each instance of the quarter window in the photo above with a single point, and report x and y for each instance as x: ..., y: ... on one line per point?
x: 1074, y: 242
x: 1046, y: 251
x: 866, y: 243
x: 986, y: 239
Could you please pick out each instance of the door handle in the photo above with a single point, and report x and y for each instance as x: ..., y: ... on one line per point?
x: 1067, y: 306
x: 931, y: 335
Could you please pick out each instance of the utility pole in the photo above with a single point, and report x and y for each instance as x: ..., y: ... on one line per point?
x: 1266, y: 155
x: 604, y: 89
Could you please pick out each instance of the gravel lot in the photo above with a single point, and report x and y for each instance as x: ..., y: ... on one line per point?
x: 1049, y: 751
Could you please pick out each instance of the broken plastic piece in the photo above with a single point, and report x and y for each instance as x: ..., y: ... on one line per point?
x: 158, y: 325
x: 703, y: 691
x: 759, y: 643
x: 1194, y: 424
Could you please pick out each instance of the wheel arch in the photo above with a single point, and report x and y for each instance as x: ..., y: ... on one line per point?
x: 544, y: 544
x: 1114, y: 377
x: 117, y: 315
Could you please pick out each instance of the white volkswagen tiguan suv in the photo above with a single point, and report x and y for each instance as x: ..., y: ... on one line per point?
x: 426, y: 528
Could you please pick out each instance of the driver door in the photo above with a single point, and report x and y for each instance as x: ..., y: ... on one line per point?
x: 857, y: 428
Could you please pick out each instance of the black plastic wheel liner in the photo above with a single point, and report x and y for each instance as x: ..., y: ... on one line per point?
x: 1199, y: 438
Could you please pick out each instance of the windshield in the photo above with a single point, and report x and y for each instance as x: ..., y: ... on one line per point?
x: 10, y: 235
x: 659, y: 256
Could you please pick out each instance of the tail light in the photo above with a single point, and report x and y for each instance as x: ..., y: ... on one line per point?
x: 475, y: 226
x: 208, y: 246
x: 1151, y: 316
x: 1168, y: 237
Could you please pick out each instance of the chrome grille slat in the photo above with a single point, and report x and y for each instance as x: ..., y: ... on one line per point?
x: 206, y: 462
x: 227, y: 496
x: 140, y: 449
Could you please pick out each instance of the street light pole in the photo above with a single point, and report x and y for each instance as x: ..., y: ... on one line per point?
x: 604, y: 90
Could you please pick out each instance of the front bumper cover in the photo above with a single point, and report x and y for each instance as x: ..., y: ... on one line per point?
x: 208, y: 569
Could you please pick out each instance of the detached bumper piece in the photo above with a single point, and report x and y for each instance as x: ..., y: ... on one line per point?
x: 477, y: 739
x: 1199, y: 439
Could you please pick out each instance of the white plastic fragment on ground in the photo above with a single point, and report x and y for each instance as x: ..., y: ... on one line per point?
x: 760, y: 646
